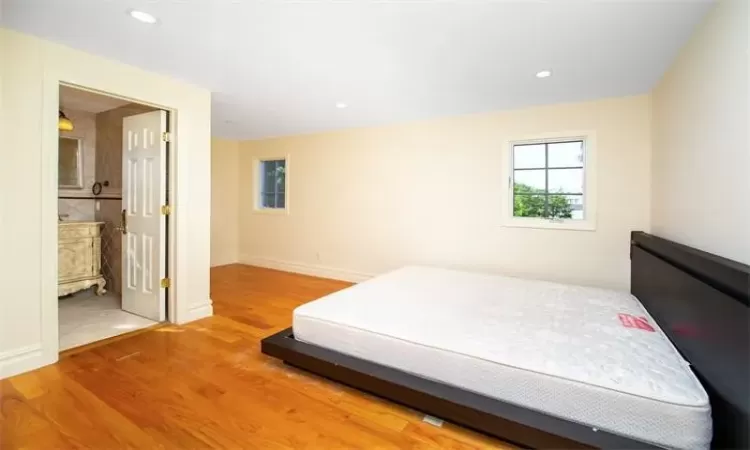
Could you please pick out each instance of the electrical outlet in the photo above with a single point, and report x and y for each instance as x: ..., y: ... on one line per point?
x: 317, y: 256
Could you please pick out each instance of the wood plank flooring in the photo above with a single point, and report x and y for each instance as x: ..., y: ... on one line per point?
x: 206, y: 385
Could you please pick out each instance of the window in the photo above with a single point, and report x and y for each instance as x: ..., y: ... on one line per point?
x: 548, y: 183
x: 272, y: 184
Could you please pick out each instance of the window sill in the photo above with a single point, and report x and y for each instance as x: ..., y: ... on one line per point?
x: 570, y: 225
x: 271, y: 211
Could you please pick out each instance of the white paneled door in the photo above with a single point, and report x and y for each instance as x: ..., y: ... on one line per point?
x: 143, y: 226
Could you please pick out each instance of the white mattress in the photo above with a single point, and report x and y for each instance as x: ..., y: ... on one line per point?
x: 559, y: 349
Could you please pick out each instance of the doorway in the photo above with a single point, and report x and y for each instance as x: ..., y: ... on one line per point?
x: 112, y: 216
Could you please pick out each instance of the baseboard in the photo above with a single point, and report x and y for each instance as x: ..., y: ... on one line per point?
x: 307, y: 269
x: 21, y: 360
x: 224, y: 263
x: 198, y: 312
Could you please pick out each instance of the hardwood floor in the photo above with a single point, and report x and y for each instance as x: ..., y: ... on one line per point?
x: 206, y: 385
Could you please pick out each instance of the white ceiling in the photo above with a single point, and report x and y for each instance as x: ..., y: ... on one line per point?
x: 279, y: 67
x: 79, y: 100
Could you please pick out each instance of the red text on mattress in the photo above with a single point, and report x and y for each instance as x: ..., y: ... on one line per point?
x: 630, y: 321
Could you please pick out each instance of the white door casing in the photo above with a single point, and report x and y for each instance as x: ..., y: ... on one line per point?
x: 143, y: 193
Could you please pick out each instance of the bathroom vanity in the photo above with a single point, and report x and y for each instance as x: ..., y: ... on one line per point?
x: 79, y: 257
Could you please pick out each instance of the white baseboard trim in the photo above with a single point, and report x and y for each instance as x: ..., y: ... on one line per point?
x: 199, y: 312
x: 307, y: 269
x: 21, y: 360
x: 224, y: 263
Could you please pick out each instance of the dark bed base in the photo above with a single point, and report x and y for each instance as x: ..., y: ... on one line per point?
x: 698, y: 299
x: 508, y: 422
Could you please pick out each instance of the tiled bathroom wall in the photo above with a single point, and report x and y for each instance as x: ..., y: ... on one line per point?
x: 109, y: 145
x: 84, y: 129
x: 109, y: 213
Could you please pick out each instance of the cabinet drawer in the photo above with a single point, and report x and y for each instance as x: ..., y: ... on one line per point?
x: 74, y: 232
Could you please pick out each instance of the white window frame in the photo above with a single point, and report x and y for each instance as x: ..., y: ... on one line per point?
x: 257, y: 181
x: 588, y: 223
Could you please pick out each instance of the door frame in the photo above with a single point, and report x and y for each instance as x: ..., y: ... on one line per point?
x: 38, y: 67
x: 170, y: 229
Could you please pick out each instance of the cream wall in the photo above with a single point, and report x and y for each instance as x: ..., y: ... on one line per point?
x: 701, y: 154
x: 224, y: 202
x: 30, y: 71
x: 366, y: 201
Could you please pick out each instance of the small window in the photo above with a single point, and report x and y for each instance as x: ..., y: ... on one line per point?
x: 548, y: 182
x: 272, y: 184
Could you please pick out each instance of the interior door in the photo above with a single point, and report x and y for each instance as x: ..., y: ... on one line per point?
x: 143, y: 226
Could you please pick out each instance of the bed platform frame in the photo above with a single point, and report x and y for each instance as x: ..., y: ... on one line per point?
x: 701, y: 301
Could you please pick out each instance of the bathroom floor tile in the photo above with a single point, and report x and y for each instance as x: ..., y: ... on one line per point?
x: 85, y: 318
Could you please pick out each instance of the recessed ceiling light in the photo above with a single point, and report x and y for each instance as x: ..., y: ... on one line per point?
x: 543, y: 74
x: 341, y: 105
x: 142, y: 16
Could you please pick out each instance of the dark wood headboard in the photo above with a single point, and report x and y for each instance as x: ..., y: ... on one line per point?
x: 702, y: 302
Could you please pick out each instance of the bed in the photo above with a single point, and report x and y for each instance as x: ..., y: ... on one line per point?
x: 544, y: 364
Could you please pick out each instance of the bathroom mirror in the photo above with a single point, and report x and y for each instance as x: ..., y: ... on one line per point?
x: 70, y: 165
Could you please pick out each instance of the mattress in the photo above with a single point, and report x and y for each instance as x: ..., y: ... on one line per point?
x: 587, y: 355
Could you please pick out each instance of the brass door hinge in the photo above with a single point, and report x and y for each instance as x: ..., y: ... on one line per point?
x: 166, y: 137
x: 166, y: 210
x: 166, y: 282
